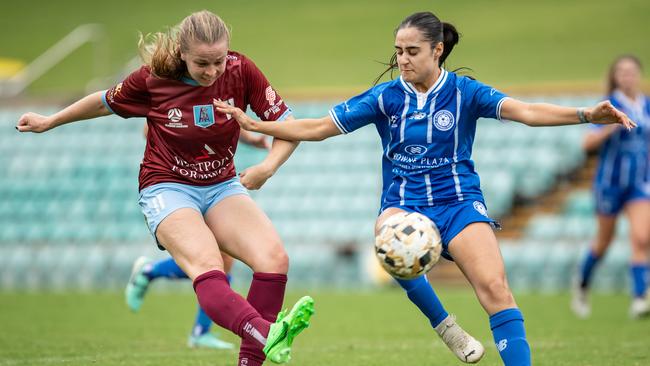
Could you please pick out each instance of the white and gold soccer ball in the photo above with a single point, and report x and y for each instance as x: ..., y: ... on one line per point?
x: 408, y: 245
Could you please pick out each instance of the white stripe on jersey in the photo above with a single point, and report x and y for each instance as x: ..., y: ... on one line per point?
x: 427, y: 180
x: 337, y: 122
x: 380, y: 103
x: 441, y: 81
x: 402, y: 200
x: 432, y: 108
x: 459, y: 192
x: 406, y: 85
x: 407, y: 100
x: 499, y: 107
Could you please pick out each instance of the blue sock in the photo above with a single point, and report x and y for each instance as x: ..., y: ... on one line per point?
x: 510, y: 337
x: 203, y: 323
x: 421, y: 294
x: 164, y: 268
x: 587, y: 268
x: 639, y: 274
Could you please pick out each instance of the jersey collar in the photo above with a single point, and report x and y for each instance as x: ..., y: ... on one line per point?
x: 422, y: 97
x: 433, y: 89
x: 189, y: 81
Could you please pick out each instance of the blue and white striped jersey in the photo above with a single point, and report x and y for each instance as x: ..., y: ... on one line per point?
x: 624, y: 157
x: 427, y: 137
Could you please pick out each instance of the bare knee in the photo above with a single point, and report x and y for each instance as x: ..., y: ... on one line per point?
x: 279, y: 260
x: 197, y: 266
x: 271, y: 259
x: 495, y: 295
x: 640, y: 245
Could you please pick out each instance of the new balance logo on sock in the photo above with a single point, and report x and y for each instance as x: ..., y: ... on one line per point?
x: 503, y: 344
x: 248, y: 328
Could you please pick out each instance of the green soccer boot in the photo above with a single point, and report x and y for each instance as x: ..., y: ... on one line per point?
x: 286, y: 328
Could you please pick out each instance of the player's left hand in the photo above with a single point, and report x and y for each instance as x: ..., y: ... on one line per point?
x: 254, y: 177
x: 244, y: 121
x: 605, y: 113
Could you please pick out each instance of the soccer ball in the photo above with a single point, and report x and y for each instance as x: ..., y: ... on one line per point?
x: 408, y: 245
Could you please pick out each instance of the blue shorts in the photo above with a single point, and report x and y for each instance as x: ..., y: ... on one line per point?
x: 611, y: 200
x: 452, y: 218
x: 160, y: 200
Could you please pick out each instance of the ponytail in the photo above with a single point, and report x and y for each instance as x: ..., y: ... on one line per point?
x: 450, y: 38
x: 160, y: 51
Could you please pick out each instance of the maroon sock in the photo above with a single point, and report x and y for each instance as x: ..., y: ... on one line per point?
x: 266, y: 295
x: 228, y: 309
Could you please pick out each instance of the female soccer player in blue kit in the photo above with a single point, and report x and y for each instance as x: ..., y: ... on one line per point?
x: 426, y: 120
x: 621, y: 184
x: 194, y: 204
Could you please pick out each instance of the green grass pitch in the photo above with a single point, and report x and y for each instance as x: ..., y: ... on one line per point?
x: 373, y: 328
x: 314, y: 45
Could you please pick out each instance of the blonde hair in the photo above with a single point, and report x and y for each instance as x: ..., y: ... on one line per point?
x: 162, y: 51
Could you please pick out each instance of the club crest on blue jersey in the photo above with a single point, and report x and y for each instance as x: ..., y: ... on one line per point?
x: 443, y: 120
x: 480, y: 208
x: 203, y: 115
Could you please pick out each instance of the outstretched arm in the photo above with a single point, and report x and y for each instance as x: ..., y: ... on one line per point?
x: 255, y: 176
x: 543, y: 114
x: 309, y: 129
x: 88, y: 107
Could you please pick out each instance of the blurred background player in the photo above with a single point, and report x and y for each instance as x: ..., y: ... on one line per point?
x: 195, y: 205
x: 621, y: 185
x: 145, y: 271
x: 436, y: 111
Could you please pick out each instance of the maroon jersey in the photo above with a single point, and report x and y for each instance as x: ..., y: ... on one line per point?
x: 188, y: 140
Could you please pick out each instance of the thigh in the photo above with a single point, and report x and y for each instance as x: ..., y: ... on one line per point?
x: 476, y: 252
x: 161, y: 200
x: 385, y: 215
x: 190, y: 242
x: 244, y: 231
x: 638, y: 214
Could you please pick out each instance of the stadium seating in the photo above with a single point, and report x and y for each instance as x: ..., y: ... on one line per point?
x: 68, y: 198
x: 565, y: 237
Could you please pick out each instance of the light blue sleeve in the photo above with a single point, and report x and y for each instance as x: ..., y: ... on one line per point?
x: 357, y: 112
x: 485, y: 100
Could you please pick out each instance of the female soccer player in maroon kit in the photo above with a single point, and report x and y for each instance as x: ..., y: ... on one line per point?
x: 193, y: 201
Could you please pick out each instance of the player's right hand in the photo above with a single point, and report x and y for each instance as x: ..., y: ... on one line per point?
x: 33, y: 122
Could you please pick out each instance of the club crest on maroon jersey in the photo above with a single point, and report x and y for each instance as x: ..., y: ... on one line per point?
x: 203, y: 115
